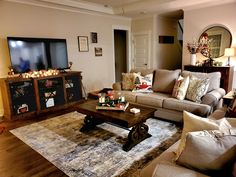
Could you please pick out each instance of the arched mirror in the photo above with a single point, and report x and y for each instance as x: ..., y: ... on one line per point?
x: 215, y: 39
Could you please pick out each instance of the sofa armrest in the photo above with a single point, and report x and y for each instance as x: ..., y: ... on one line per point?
x: 213, y: 97
x: 117, y: 86
x: 219, y: 113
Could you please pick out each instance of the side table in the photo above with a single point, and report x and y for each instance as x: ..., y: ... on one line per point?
x: 227, y: 99
x: 229, y: 103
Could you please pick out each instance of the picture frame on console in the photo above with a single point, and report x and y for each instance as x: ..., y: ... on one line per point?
x: 83, y: 43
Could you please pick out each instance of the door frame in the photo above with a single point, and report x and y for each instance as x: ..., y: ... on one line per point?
x: 149, y: 34
x: 128, y: 47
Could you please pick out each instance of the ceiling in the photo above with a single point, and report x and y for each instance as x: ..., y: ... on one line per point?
x: 128, y: 8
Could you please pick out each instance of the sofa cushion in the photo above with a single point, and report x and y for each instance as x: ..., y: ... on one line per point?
x: 209, y: 150
x: 180, y: 88
x: 181, y: 105
x: 164, y: 80
x: 214, y: 78
x: 197, y: 88
x: 197, y: 123
x: 152, y: 99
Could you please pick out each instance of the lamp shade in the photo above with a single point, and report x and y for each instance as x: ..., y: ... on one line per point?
x: 229, y: 52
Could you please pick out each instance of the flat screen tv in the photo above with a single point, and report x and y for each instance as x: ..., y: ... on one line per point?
x: 32, y: 54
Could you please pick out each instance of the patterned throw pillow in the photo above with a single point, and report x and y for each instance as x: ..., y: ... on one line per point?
x: 143, y: 83
x: 128, y: 80
x: 197, y: 88
x: 180, y: 88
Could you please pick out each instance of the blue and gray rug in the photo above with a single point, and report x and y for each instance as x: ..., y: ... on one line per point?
x: 97, y: 153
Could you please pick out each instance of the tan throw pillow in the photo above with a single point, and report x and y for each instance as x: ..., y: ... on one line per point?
x: 164, y: 80
x: 196, y: 123
x: 209, y: 150
x: 180, y: 88
x: 128, y: 80
x: 197, y: 88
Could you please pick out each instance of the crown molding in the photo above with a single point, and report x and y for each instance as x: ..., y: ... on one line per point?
x: 40, y: 3
x: 82, y: 5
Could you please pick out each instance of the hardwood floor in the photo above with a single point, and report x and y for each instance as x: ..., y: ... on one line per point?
x: 17, y: 159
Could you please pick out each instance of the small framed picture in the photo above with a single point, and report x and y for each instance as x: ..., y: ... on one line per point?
x: 83, y: 43
x: 94, y: 37
x: 98, y: 51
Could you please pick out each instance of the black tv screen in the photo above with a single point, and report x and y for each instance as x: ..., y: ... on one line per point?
x: 32, y: 54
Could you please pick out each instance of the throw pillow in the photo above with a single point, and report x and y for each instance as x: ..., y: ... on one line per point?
x: 196, y: 123
x: 180, y: 88
x: 214, y: 78
x: 143, y: 83
x: 164, y: 80
x: 197, y: 88
x: 147, y: 79
x: 209, y: 151
x: 128, y: 80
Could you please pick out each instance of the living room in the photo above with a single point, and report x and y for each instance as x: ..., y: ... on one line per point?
x: 40, y: 20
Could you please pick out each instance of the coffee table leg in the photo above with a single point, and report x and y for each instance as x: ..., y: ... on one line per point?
x: 89, y: 123
x: 137, y: 134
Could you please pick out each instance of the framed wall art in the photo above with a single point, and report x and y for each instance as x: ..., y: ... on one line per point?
x: 83, y: 43
x: 98, y: 51
x: 94, y: 37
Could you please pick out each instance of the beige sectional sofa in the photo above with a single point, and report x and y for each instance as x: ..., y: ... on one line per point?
x: 165, y: 166
x: 171, y: 108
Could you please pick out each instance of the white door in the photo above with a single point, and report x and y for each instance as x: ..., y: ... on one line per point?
x: 141, y: 50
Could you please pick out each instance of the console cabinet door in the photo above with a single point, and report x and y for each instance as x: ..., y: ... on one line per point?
x: 51, y: 92
x: 73, y: 88
x: 22, y: 97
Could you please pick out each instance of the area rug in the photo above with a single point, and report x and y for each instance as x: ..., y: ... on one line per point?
x: 97, y: 153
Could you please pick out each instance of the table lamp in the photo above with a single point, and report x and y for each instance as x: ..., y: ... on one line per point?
x: 229, y: 52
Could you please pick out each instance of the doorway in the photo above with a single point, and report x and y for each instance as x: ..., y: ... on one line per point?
x: 120, y: 48
x: 141, y: 50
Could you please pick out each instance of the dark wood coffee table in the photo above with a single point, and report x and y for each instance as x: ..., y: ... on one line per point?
x: 124, y: 119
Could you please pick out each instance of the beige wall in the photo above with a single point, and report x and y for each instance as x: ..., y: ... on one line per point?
x: 196, y: 21
x: 144, y: 25
x: 161, y: 57
x: 168, y: 55
x: 30, y: 21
